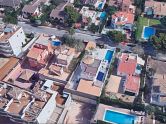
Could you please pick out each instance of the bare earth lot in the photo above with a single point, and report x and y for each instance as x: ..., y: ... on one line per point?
x: 79, y: 113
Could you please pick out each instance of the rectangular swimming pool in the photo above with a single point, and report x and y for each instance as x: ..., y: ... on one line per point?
x: 119, y: 118
x: 148, y: 32
x: 100, y: 76
x: 109, y: 55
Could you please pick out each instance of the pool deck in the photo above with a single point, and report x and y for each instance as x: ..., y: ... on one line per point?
x: 102, y: 108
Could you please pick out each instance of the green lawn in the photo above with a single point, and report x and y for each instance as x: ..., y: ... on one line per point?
x: 142, y: 21
x: 154, y: 22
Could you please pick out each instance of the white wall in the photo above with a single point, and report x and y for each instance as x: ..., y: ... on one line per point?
x: 83, y: 99
x: 16, y: 41
x: 47, y: 111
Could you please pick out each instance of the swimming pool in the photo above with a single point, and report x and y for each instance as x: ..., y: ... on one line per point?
x: 109, y: 55
x: 100, y: 76
x: 100, y: 6
x: 119, y: 118
x: 56, y: 43
x: 148, y: 32
x: 103, y: 16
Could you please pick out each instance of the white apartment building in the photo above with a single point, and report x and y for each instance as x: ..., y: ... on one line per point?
x: 11, y: 40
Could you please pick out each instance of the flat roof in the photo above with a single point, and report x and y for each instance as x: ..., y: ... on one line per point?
x: 87, y: 87
x: 6, y: 36
x: 16, y: 107
x: 43, y: 39
x: 64, y: 76
x: 113, y: 84
x: 34, y: 52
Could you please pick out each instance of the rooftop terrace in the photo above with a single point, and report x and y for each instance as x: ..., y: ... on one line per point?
x: 17, y: 106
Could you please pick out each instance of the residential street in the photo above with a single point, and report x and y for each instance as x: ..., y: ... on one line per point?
x: 54, y: 31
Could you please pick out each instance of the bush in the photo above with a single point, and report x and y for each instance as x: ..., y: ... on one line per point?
x: 115, y: 102
x: 102, y: 122
x: 74, y: 43
x: 93, y: 28
x: 116, y: 36
x: 161, y: 118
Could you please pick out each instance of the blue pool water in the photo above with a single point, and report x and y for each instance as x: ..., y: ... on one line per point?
x: 103, y: 16
x: 56, y: 43
x: 118, y: 118
x: 100, y: 76
x: 100, y: 6
x: 109, y: 55
x: 148, y: 32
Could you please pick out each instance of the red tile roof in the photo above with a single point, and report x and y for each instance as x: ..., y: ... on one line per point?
x: 129, y: 16
x: 8, y: 67
x: 132, y: 83
x: 127, y: 65
x: 39, y: 53
x: 159, y: 8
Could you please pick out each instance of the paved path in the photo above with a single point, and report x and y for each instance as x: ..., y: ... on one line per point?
x: 148, y: 21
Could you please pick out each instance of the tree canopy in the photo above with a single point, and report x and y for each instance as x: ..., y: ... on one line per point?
x: 93, y: 28
x: 116, y: 36
x: 159, y: 41
x: 111, y: 10
x: 72, y: 15
x: 10, y: 16
x: 74, y: 43
x: 163, y: 21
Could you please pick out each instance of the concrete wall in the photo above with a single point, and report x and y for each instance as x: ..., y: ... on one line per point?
x: 62, y: 117
x: 47, y: 111
x: 82, y: 96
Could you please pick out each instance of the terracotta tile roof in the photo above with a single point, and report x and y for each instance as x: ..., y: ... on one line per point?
x: 132, y: 83
x: 159, y: 8
x: 127, y: 2
x: 55, y: 69
x: 87, y: 87
x: 26, y: 74
x: 34, y: 53
x: 128, y: 16
x: 90, y: 45
x: 127, y: 65
x: 70, y: 51
x: 8, y: 67
x: 40, y: 54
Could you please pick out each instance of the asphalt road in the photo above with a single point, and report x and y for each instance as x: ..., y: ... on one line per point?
x: 54, y: 31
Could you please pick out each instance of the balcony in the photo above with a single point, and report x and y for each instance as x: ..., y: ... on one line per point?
x: 6, y: 50
x: 4, y: 43
x: 5, y: 47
